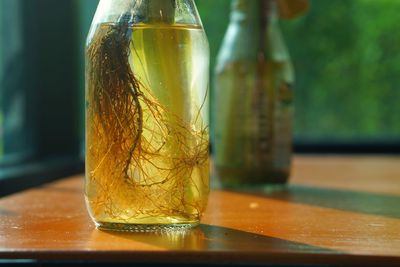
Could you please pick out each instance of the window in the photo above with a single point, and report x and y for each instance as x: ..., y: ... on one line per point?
x: 346, y: 59
x: 346, y: 56
x: 17, y: 130
x: 39, y: 111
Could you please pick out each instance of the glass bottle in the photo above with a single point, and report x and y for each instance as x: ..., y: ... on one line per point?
x: 147, y: 141
x: 252, y: 99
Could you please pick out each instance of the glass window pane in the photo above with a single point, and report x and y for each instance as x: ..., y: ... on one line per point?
x: 347, y: 59
x: 16, y: 110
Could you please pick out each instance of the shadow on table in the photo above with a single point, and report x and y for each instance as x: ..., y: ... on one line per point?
x: 347, y: 200
x: 6, y: 212
x: 216, y: 238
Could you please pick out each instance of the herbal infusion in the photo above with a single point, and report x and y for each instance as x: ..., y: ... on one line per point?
x: 147, y: 132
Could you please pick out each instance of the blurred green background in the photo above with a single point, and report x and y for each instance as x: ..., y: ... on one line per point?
x: 346, y: 55
x: 347, y: 60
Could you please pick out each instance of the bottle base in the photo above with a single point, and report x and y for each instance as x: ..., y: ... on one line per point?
x: 144, y: 228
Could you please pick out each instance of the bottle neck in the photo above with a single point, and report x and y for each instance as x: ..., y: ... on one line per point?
x: 255, y: 19
x: 147, y: 11
x: 254, y: 13
x: 161, y: 11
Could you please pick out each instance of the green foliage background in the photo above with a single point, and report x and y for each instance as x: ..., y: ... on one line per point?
x: 346, y: 55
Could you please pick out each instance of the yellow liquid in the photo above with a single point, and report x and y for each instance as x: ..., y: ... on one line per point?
x: 257, y: 150
x: 167, y: 180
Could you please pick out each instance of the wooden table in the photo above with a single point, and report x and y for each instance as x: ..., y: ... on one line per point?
x: 336, y: 211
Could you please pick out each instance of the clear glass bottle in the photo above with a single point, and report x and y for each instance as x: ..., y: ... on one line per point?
x: 252, y: 99
x: 147, y: 141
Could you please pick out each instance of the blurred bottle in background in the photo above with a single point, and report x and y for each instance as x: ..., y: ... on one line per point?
x: 252, y: 103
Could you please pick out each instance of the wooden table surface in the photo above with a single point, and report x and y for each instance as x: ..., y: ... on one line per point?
x: 336, y: 211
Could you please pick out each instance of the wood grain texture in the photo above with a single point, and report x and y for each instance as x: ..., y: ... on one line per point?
x: 336, y: 211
